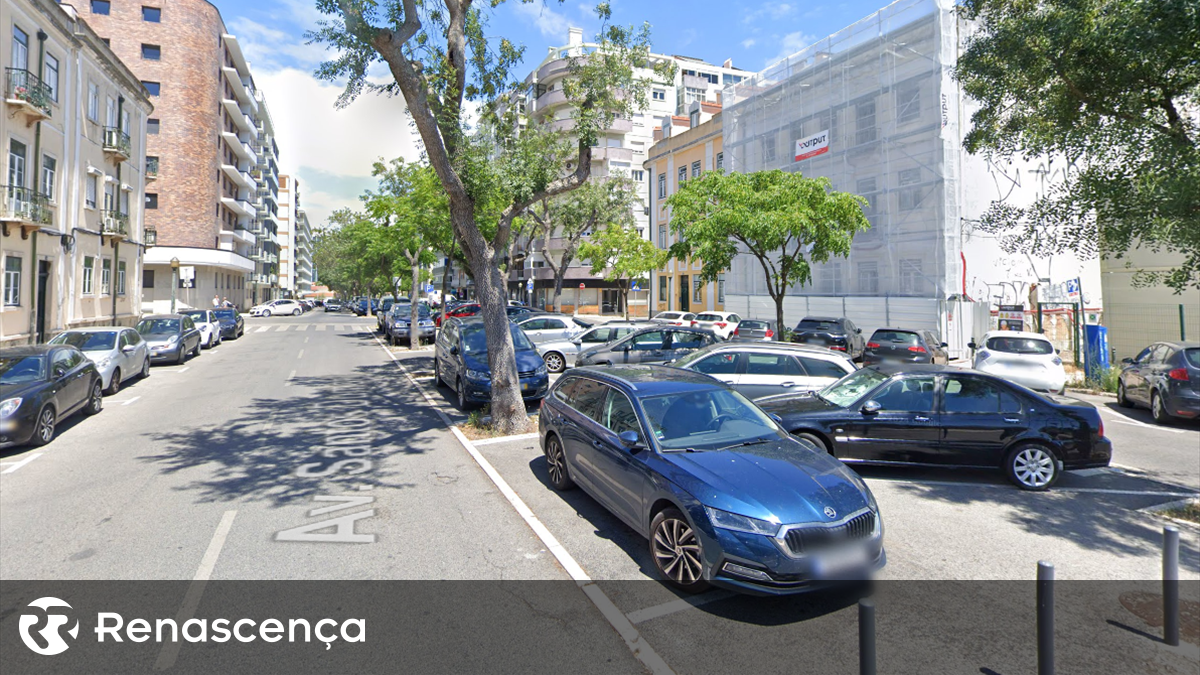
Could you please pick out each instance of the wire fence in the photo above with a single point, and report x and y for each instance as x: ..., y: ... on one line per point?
x: 1131, y: 327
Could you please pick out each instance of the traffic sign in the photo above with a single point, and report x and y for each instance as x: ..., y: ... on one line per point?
x: 636, y: 287
x: 581, y: 286
x: 529, y: 285
x: 429, y: 288
x: 1073, y: 289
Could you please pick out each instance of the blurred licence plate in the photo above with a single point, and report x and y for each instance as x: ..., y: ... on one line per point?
x: 840, y: 561
x: 526, y: 386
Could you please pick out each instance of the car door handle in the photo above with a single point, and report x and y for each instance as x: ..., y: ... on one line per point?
x: 786, y: 385
x: 1012, y: 420
x: 921, y: 418
x: 597, y: 444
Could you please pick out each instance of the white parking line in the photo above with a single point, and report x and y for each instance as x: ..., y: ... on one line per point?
x: 1121, y: 419
x: 1078, y: 490
x: 678, y: 605
x: 288, y: 381
x: 505, y: 439
x: 130, y: 400
x: 263, y: 329
x: 300, y: 355
x: 306, y: 339
x: 17, y: 465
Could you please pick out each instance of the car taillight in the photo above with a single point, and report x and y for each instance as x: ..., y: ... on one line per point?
x: 872, y: 345
x: 735, y: 331
x: 917, y: 348
x: 838, y: 348
x: 1101, y: 426
x: 1180, y: 374
x: 694, y: 324
x: 719, y: 324
x: 770, y: 333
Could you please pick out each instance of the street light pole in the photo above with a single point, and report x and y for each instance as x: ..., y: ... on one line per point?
x: 174, y: 281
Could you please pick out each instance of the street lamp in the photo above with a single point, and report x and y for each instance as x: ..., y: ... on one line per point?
x: 174, y: 281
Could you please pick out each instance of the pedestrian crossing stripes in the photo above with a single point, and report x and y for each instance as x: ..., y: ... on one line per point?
x: 300, y: 328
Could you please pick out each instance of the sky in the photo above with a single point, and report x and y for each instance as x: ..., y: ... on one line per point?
x: 331, y: 151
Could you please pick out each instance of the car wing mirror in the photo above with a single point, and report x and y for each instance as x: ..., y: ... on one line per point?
x: 631, y: 440
x: 945, y: 345
x: 777, y: 418
x: 871, y: 408
x: 858, y: 330
x: 972, y: 345
x: 128, y: 349
x: 1127, y: 360
x: 59, y: 371
x: 454, y: 350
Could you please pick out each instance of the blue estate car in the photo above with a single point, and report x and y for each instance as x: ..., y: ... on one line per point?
x: 461, y: 361
x: 725, y: 496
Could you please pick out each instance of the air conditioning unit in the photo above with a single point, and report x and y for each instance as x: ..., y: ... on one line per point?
x: 110, y: 224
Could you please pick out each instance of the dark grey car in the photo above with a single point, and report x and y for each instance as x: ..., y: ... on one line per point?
x: 649, y: 345
x: 838, y: 334
x: 903, y: 345
x: 171, y: 337
x: 756, y: 330
x: 1165, y: 377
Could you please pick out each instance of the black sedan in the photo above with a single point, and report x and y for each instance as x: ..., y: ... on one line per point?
x: 233, y: 326
x: 838, y: 334
x: 903, y: 345
x: 42, y: 385
x: 922, y: 415
x: 1164, y: 377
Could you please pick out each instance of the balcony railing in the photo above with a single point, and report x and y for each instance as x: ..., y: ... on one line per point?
x: 115, y: 223
x: 151, y: 168
x: 116, y: 142
x: 151, y: 238
x: 27, y: 89
x: 25, y: 205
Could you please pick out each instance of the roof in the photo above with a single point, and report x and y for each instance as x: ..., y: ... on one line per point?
x: 823, y: 318
x: 30, y: 350
x: 928, y: 368
x: 902, y: 330
x: 97, y: 329
x: 1015, y: 334
x: 651, y: 380
x: 773, y: 346
x: 162, y: 316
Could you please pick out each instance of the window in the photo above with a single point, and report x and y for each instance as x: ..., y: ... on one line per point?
x: 92, y: 189
x: 110, y: 112
x: 105, y: 276
x: 152, y: 126
x: 12, y: 280
x: 152, y: 14
x: 49, y: 169
x: 682, y: 176
x: 662, y: 186
x: 718, y: 364
x: 772, y: 364
x: 970, y: 395
x: 910, y: 198
x: 617, y: 414
x: 691, y: 94
x: 910, y: 275
x: 147, y: 278
x: 100, y: 6
x: 910, y: 176
x: 697, y: 291
x: 50, y: 76
x: 694, y: 119
x: 110, y: 196
x: 864, y: 122
x: 829, y: 278
x: 721, y: 288
x: 587, y: 396
x: 868, y: 277
x: 908, y: 102
x: 20, y: 49
x: 664, y: 288
x: 93, y: 109
x: 153, y: 88
x: 821, y: 368
x: 720, y: 161
x: 89, y: 274
x: 16, y: 163
x: 768, y: 148
x: 152, y: 52
x: 662, y: 236
x: 659, y: 95
x: 638, y: 175
x: 910, y: 395
x: 696, y: 169
x: 648, y: 341
x: 121, y: 277
x: 151, y: 200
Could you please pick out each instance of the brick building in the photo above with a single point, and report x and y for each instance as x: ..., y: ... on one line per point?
x: 212, y: 206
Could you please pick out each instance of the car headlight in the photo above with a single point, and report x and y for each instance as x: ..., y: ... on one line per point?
x: 173, y: 339
x: 478, y: 375
x: 9, y: 406
x: 103, y: 363
x: 733, y: 521
x: 540, y: 370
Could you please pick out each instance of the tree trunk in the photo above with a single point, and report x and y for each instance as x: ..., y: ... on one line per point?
x: 779, y: 313
x: 414, y: 334
x: 625, y: 299
x: 508, y: 407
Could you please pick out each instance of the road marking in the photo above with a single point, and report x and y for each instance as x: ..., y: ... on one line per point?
x: 130, y: 400
x: 17, y: 465
x: 677, y: 605
x: 1121, y: 419
x: 640, y: 649
x: 300, y: 355
x: 183, y: 369
x: 170, y: 651
x: 505, y: 439
x: 307, y: 338
x: 263, y: 329
x: 1079, y: 490
x: 288, y: 381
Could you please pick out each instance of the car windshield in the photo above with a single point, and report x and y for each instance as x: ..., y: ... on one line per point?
x: 814, y: 324
x: 898, y: 336
x: 852, y: 387
x: 225, y: 313
x: 709, y: 419
x: 754, y: 325
x: 709, y: 317
x: 87, y: 341
x: 158, y: 326
x: 404, y: 311
x: 1020, y: 345
x: 22, y: 369
x: 475, y: 340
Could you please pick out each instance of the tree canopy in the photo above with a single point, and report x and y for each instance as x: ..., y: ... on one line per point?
x: 1111, y: 86
x: 620, y: 254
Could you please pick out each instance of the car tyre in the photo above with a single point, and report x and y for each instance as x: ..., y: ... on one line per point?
x: 44, y: 432
x: 182, y: 358
x: 95, y: 400
x: 1158, y: 410
x: 555, y: 362
x: 556, y: 465
x: 437, y: 374
x: 196, y: 351
x: 266, y: 313
x: 296, y: 312
x: 677, y: 552
x: 814, y: 439
x: 463, y: 404
x: 145, y: 367
x: 1033, y: 467
x: 115, y: 385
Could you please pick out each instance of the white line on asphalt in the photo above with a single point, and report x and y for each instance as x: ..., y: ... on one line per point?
x: 505, y: 439
x: 130, y: 400
x: 640, y: 649
x: 288, y: 381
x: 306, y: 338
x: 17, y: 465
x: 1121, y: 419
x: 1080, y: 490
x: 300, y: 355
x: 678, y: 605
x: 191, y: 600
x: 263, y: 329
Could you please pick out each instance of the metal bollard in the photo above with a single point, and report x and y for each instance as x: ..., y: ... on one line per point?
x: 1045, y: 618
x: 866, y: 637
x: 1171, y: 585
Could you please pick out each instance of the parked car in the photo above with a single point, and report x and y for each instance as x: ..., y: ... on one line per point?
x: 722, y: 324
x: 119, y: 353
x: 1164, y: 377
x: 548, y: 327
x: 722, y: 494
x: 381, y: 315
x: 764, y: 370
x: 838, y: 334
x: 170, y: 337
x: 207, y: 323
x: 460, y: 311
x: 43, y: 385
x: 674, y: 318
x: 333, y: 306
x: 902, y: 345
x: 277, y: 307
x: 757, y: 330
x: 233, y: 326
x: 399, y: 321
x: 649, y: 345
x: 560, y: 354
x: 519, y: 313
x: 899, y: 414
x: 1028, y: 359
x: 363, y: 306
x: 460, y: 361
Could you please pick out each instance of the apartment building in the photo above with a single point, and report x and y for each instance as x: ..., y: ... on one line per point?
x: 74, y: 133
x: 622, y: 148
x: 287, y: 236
x: 304, y: 250
x: 211, y: 211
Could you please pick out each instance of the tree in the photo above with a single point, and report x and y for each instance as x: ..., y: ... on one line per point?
x: 568, y: 217
x: 785, y: 220
x: 1106, y: 85
x: 622, y: 255
x: 439, y: 55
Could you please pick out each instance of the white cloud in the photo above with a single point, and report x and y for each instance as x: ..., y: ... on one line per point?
x: 268, y: 48
x: 769, y: 11
x: 790, y: 44
x: 550, y: 23
x: 748, y: 43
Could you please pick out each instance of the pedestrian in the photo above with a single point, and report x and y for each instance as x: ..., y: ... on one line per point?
x: 226, y: 303
x: 216, y: 300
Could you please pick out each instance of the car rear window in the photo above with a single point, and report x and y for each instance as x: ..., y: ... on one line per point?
x: 810, y: 324
x: 1015, y: 345
x: 899, y: 336
x: 754, y: 325
x: 1192, y: 355
x: 668, y: 315
x: 709, y: 317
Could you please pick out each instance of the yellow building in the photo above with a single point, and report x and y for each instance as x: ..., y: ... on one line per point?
x: 684, y: 148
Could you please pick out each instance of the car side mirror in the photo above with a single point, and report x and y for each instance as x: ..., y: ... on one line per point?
x: 945, y: 345
x: 858, y: 330
x: 59, y: 371
x: 631, y: 440
x: 128, y: 349
x: 777, y: 418
x: 871, y: 408
x: 972, y: 345
x: 1127, y: 360
x: 454, y: 350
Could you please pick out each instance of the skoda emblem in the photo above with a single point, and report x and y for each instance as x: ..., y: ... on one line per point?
x: 829, y: 512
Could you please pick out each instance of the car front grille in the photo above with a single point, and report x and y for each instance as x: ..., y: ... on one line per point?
x: 527, y: 373
x: 802, y: 540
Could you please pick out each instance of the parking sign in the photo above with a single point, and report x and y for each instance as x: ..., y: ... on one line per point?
x: 1073, y: 289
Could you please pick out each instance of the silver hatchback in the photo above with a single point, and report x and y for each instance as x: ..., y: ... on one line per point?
x: 763, y: 369
x: 119, y: 353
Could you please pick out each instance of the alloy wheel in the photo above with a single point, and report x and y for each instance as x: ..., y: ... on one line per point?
x: 45, y: 427
x: 556, y: 465
x: 146, y: 367
x: 677, y: 551
x: 462, y: 395
x: 95, y: 401
x: 115, y: 385
x: 554, y: 362
x: 1157, y: 410
x: 1033, y: 467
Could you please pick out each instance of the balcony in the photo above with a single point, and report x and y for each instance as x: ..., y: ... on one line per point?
x: 550, y: 99
x: 114, y: 224
x: 28, y: 209
x: 116, y: 144
x: 27, y: 95
x: 151, y: 237
x: 612, y: 154
x: 238, y: 177
x: 151, y: 168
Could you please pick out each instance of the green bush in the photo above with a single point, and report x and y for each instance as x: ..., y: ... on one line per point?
x: 1107, y: 380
